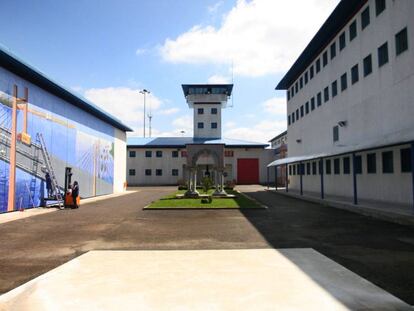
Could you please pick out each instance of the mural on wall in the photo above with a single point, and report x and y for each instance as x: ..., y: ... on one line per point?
x: 89, y: 152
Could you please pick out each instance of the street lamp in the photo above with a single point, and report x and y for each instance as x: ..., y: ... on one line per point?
x: 144, y: 91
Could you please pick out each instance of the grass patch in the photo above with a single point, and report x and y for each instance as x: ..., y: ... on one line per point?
x: 170, y: 201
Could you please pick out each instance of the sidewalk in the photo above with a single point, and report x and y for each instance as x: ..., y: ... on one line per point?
x: 393, y: 212
x: 16, y: 215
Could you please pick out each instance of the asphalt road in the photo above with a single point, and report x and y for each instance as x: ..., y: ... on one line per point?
x: 379, y: 251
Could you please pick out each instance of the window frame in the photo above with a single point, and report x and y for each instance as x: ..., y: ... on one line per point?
x: 383, y: 55
x: 354, y: 74
x: 131, y: 172
x: 353, y: 30
x: 387, y: 158
x: 371, y: 163
x: 367, y: 64
x: 401, y: 46
x: 365, y: 18
x: 132, y: 153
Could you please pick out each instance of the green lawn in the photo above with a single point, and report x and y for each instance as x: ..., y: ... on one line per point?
x: 170, y: 201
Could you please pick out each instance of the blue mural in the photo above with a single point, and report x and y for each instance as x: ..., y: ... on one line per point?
x: 81, y: 142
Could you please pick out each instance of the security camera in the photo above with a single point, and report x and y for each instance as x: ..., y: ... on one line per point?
x: 342, y: 123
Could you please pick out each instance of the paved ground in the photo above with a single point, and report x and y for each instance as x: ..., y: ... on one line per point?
x: 200, y: 280
x: 381, y: 252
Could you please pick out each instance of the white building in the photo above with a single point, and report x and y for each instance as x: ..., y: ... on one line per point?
x: 169, y: 160
x: 350, y: 105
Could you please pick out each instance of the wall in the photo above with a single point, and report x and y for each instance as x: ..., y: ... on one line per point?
x: 167, y: 163
x: 120, y: 163
x: 207, y: 118
x: 73, y: 138
x: 387, y: 187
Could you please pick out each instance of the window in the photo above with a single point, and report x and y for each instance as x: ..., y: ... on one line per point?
x: 308, y: 168
x: 302, y: 168
x: 358, y: 164
x: 306, y: 77
x: 213, y: 110
x: 325, y: 58
x: 288, y: 95
x: 354, y: 74
x: 294, y: 169
x: 379, y: 6
x: 383, y: 54
x: 297, y: 114
x: 311, y: 72
x: 344, y: 82
x: 298, y: 169
x: 335, y: 132
x: 334, y: 88
x: 367, y: 65
x: 307, y: 107
x: 132, y: 172
x: 214, y: 125
x: 333, y: 50
x: 337, y: 169
x: 301, y: 82
x: 293, y: 117
x: 296, y: 87
x: 318, y: 65
x: 290, y: 170
x: 320, y: 168
x: 289, y: 120
x: 365, y: 18
x: 371, y: 163
x: 200, y: 125
x: 132, y: 154
x: 148, y: 172
x: 301, y: 111
x: 342, y: 41
x: 352, y: 30
x: 387, y: 162
x: 347, y: 165
x: 405, y: 155
x: 158, y: 172
x: 401, y: 41
x: 159, y: 154
x: 200, y: 110
x: 326, y: 94
x: 319, y: 99
x: 313, y: 168
x: 148, y: 154
x: 229, y: 153
x: 174, y: 154
x: 313, y: 103
x: 328, y: 167
x: 174, y: 172
x: 292, y: 91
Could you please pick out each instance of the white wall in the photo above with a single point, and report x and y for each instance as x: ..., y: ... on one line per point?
x: 119, y: 161
x: 207, y: 118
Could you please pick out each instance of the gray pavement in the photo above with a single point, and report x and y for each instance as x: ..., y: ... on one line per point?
x: 381, y: 252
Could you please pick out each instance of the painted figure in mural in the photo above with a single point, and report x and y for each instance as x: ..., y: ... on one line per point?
x: 75, y: 193
x: 49, y: 185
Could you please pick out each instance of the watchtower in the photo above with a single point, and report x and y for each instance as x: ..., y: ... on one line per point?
x: 207, y: 100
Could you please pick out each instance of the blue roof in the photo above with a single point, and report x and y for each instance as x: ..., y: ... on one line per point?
x: 14, y: 64
x: 181, y: 142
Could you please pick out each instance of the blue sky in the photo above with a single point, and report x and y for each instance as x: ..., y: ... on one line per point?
x: 106, y: 50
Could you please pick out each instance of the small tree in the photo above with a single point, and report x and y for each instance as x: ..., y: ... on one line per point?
x: 207, y: 183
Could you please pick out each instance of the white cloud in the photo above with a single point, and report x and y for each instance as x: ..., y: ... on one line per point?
x: 140, y: 51
x: 184, y: 123
x: 276, y: 105
x: 169, y: 111
x: 124, y: 103
x: 230, y: 124
x: 218, y: 79
x: 214, y: 7
x: 260, y: 37
x: 260, y: 132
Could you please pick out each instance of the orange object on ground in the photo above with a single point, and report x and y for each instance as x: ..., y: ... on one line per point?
x: 69, y: 200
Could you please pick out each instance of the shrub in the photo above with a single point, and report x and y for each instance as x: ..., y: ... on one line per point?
x: 206, y: 183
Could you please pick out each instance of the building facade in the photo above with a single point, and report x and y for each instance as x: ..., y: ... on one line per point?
x: 170, y: 160
x: 76, y: 133
x: 279, y: 145
x: 350, y: 102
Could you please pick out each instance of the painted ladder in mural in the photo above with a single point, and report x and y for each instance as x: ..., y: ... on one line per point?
x: 49, y: 169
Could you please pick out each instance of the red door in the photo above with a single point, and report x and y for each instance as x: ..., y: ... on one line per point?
x: 247, y: 171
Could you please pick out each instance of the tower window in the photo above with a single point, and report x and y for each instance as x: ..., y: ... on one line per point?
x: 214, y: 125
x: 365, y: 18
x: 352, y: 30
x: 213, y: 110
x: 401, y: 41
x: 383, y: 54
x: 200, y: 110
x: 200, y: 125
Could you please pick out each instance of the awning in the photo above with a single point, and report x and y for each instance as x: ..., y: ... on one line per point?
x: 393, y: 139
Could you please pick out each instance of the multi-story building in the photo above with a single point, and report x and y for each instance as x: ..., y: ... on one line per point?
x: 169, y: 160
x: 350, y: 105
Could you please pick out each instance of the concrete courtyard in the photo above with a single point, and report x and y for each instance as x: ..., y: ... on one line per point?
x: 380, y: 252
